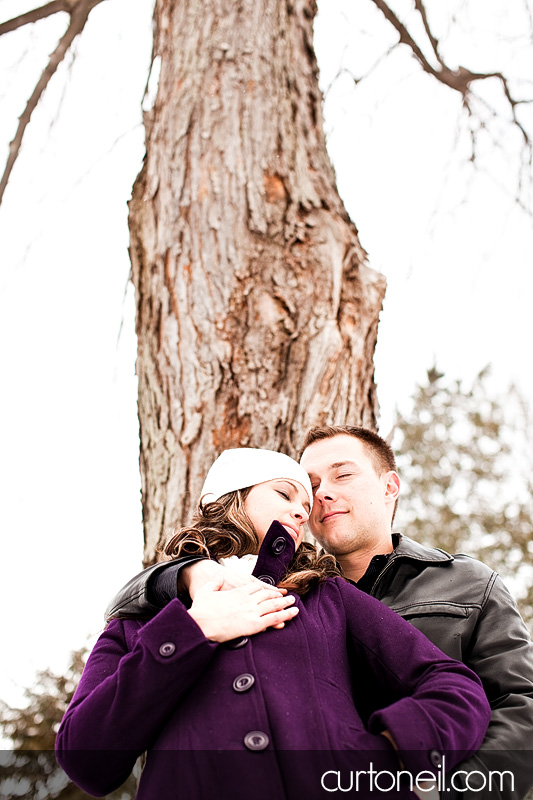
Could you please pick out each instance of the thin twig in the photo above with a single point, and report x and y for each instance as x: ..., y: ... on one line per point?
x: 419, y: 5
x: 345, y: 71
x: 529, y: 15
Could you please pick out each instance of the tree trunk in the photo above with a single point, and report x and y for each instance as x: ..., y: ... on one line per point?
x: 256, y: 314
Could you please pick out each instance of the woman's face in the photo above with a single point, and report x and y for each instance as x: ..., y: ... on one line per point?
x: 282, y: 499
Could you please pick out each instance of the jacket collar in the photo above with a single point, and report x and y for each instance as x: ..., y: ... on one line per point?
x: 408, y: 548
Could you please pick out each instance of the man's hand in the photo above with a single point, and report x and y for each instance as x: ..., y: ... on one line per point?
x: 248, y: 609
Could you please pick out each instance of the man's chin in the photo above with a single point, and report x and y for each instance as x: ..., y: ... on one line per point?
x: 331, y: 544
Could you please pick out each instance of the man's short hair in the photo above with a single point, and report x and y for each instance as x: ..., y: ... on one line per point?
x: 379, y: 451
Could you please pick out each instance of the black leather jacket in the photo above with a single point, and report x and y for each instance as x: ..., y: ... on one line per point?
x: 464, y: 608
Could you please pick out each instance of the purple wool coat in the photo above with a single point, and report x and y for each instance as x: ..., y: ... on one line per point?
x: 267, y: 716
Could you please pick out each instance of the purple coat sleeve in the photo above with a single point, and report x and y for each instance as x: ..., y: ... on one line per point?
x: 436, y: 706
x: 134, y: 671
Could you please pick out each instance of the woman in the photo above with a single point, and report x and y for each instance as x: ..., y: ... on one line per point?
x: 252, y: 693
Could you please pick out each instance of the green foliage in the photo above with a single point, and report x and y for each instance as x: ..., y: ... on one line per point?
x: 30, y: 770
x: 464, y: 456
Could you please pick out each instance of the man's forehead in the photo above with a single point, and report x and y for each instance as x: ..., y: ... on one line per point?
x: 332, y: 452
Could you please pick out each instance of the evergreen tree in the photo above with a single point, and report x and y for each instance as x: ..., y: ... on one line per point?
x: 467, y: 476
x: 30, y: 770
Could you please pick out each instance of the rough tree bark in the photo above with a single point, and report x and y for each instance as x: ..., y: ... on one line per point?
x: 256, y: 314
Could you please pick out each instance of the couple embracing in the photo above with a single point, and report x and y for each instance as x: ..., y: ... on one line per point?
x: 247, y: 663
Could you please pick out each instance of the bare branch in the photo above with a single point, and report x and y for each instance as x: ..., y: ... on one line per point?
x: 79, y: 12
x: 420, y: 7
x: 36, y: 14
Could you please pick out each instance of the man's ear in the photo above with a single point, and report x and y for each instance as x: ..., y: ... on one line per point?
x: 392, y: 486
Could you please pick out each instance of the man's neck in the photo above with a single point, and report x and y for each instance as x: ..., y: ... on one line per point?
x: 354, y: 565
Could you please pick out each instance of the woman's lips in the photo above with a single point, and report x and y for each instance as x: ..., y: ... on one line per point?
x: 292, y: 531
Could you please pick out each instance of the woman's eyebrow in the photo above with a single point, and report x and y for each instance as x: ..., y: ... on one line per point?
x: 296, y: 489
x: 287, y: 481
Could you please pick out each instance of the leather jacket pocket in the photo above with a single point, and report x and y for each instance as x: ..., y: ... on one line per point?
x: 446, y: 624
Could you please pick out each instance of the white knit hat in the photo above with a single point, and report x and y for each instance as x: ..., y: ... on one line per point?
x: 247, y: 466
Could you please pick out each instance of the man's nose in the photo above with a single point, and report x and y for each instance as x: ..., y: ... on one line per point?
x: 324, y: 492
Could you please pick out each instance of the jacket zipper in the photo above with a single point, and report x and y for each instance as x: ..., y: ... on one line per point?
x: 383, y: 571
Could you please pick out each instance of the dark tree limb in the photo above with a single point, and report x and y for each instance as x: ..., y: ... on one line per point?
x: 404, y: 36
x: 458, y: 79
x: 36, y: 14
x: 78, y: 11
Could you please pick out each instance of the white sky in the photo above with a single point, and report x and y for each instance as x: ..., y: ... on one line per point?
x: 454, y: 248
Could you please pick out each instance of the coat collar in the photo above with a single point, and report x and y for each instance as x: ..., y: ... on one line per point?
x: 408, y: 548
x: 275, y: 554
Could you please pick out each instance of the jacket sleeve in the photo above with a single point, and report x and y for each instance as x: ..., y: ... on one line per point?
x: 433, y: 706
x: 139, y: 597
x: 129, y: 688
x: 501, y: 654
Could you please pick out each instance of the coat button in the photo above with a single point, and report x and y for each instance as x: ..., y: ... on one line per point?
x: 234, y: 644
x: 167, y: 649
x: 267, y: 579
x: 278, y: 545
x: 256, y: 740
x: 435, y: 756
x: 243, y: 682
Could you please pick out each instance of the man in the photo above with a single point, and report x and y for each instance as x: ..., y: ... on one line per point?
x: 459, y: 603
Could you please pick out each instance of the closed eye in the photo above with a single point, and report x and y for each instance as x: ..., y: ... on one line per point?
x: 283, y: 494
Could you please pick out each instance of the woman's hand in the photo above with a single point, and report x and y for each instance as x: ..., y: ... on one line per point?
x: 248, y: 609
x: 427, y: 790
x: 196, y: 576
